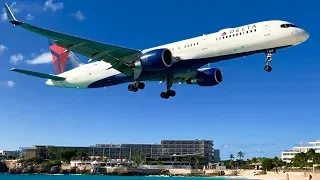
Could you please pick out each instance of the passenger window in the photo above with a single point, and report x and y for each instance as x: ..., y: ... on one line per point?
x: 255, y: 30
x: 251, y: 31
x: 237, y: 34
x: 229, y: 35
x: 247, y: 32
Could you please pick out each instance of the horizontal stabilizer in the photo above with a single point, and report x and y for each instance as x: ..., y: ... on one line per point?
x: 39, y: 75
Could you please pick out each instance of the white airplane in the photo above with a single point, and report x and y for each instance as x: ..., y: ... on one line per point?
x: 178, y: 62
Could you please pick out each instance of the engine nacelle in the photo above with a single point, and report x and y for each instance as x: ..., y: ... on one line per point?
x: 154, y: 60
x: 207, y: 77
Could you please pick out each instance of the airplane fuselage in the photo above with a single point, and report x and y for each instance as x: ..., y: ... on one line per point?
x: 193, y: 53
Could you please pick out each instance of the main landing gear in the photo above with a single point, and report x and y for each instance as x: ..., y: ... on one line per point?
x: 136, y: 86
x: 269, y: 53
x: 169, y: 92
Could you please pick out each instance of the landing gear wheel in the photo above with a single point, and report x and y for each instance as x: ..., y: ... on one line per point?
x: 136, y: 84
x: 164, y: 95
x: 269, y: 53
x: 141, y: 85
x: 131, y: 87
x: 267, y: 68
x: 171, y: 93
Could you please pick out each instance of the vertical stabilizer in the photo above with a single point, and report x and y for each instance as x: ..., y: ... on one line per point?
x: 63, y: 60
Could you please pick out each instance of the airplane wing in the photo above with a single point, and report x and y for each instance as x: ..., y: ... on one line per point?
x: 115, y: 55
x: 38, y: 74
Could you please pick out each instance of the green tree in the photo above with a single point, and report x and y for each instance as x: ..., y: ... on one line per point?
x: 199, y: 160
x: 231, y: 164
x: 247, y: 165
x: 36, y: 160
x: 311, y: 155
x: 277, y: 163
x: 189, y: 159
x: 137, y: 157
x: 299, y: 160
x: 52, y: 153
x: 68, y: 154
x: 81, y: 154
x: 267, y: 164
x: 241, y: 156
x: 231, y: 156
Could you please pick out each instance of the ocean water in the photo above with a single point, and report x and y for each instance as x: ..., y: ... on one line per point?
x: 103, y: 177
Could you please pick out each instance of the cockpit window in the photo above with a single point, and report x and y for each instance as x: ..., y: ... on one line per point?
x: 287, y: 25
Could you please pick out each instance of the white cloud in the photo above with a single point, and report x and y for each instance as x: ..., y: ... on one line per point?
x: 49, y: 4
x: 2, y: 48
x: 43, y: 58
x: 78, y: 15
x: 29, y: 17
x: 15, y: 59
x: 13, y: 8
x: 7, y: 84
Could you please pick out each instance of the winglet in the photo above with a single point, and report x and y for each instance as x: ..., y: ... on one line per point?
x: 11, y: 17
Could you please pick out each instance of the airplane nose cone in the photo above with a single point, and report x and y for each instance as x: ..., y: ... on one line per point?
x: 303, y: 35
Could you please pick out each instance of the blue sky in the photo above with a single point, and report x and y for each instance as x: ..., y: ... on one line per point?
x: 253, y: 111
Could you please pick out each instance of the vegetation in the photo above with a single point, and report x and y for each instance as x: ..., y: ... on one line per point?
x: 68, y: 154
x: 305, y: 159
x: 137, y: 157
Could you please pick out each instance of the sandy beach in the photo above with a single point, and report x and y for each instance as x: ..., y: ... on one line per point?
x: 278, y: 176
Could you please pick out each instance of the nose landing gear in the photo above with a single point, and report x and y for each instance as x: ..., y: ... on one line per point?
x: 269, y: 53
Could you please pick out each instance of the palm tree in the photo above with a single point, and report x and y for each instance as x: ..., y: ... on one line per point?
x: 231, y: 156
x: 241, y: 155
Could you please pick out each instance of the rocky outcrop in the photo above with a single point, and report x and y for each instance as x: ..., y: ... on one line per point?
x: 3, y: 168
x: 55, y: 170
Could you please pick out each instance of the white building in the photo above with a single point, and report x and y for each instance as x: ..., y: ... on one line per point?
x: 287, y: 155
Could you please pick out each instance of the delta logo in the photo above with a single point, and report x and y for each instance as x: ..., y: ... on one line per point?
x: 223, y: 34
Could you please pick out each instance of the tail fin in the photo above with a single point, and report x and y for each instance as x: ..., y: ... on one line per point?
x: 63, y: 60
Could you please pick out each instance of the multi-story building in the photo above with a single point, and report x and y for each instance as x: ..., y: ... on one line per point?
x: 216, y: 155
x: 203, y: 148
x: 287, y: 155
x: 166, y: 151
x: 9, y: 154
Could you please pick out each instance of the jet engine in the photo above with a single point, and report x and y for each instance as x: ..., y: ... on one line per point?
x: 207, y: 77
x: 154, y: 60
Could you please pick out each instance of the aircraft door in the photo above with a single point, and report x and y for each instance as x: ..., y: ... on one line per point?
x: 204, y: 43
x: 267, y: 30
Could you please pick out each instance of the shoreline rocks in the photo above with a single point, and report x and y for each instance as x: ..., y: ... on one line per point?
x: 3, y: 168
